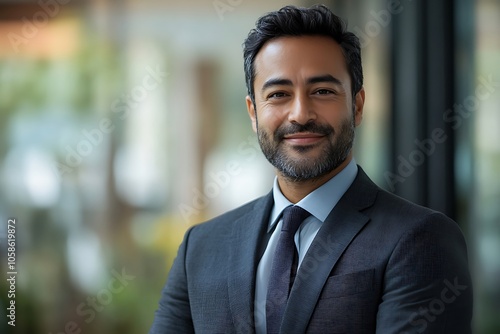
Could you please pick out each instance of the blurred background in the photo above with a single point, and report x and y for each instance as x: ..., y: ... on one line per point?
x: 122, y: 123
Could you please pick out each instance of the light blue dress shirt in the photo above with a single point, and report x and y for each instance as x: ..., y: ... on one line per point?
x: 319, y: 203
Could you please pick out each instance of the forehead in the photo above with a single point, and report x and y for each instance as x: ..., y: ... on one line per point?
x: 297, y: 58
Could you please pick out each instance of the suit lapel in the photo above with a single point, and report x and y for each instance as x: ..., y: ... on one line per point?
x: 247, y: 233
x: 339, y: 229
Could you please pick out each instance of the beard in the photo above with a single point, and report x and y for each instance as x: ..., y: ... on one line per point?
x: 334, y: 151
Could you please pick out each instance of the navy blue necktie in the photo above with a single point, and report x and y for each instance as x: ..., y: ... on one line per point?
x: 279, y: 281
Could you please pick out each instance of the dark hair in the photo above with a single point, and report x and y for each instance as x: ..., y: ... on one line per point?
x: 297, y: 21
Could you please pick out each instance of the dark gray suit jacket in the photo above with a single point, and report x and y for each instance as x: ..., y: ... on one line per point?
x: 379, y: 264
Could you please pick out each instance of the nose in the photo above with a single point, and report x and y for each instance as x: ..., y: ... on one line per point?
x: 301, y: 110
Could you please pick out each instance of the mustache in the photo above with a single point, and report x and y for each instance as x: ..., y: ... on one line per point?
x: 294, y: 128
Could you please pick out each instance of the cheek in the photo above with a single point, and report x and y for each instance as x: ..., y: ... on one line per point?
x: 269, y: 119
x: 334, y: 120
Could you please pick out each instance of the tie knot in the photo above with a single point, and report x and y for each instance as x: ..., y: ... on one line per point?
x: 293, y: 216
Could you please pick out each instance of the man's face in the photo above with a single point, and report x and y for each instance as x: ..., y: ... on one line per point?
x: 304, y: 113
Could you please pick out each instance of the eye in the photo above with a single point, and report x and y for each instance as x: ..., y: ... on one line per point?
x: 324, y: 92
x: 276, y: 95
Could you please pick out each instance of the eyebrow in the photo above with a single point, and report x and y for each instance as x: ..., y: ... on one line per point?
x: 324, y: 78
x: 313, y: 80
x: 276, y: 82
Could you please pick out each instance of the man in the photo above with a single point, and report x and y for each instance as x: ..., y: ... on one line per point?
x: 366, y: 261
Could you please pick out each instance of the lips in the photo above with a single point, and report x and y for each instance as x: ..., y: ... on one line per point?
x: 303, y: 138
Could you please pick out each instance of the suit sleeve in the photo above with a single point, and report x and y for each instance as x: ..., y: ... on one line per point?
x: 427, y: 286
x: 174, y: 313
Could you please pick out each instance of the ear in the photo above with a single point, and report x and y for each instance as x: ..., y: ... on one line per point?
x: 359, y: 103
x: 252, y: 113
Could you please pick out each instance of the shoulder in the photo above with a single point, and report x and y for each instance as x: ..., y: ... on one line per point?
x: 397, y: 206
x: 380, y: 202
x: 394, y: 216
x: 396, y: 209
x: 419, y: 240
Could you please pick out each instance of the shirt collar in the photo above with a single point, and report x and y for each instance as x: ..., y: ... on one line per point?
x: 321, y: 201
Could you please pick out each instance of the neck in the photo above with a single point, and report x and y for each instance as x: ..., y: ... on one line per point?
x: 295, y: 191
